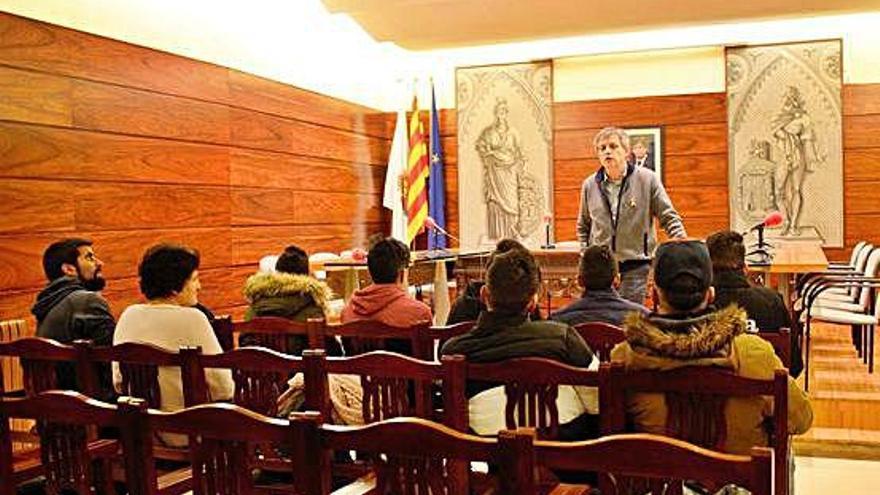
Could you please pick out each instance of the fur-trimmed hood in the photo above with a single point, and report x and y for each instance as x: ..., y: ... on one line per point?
x: 271, y: 293
x: 652, y: 340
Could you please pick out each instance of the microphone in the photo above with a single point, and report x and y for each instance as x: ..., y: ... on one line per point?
x: 773, y: 219
x: 431, y: 224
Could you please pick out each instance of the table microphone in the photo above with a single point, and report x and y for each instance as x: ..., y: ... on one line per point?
x: 772, y: 219
x: 431, y: 224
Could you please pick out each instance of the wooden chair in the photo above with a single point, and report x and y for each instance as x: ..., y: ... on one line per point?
x: 660, y: 459
x: 67, y: 453
x: 434, y: 337
x: 395, y: 385
x: 413, y: 456
x: 362, y: 336
x: 781, y: 342
x: 33, y: 366
x: 531, y: 386
x: 260, y: 376
x: 139, y: 367
x: 601, y: 337
x: 274, y: 332
x: 220, y: 434
x: 696, y: 398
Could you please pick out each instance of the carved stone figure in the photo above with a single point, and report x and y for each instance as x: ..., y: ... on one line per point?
x: 794, y: 134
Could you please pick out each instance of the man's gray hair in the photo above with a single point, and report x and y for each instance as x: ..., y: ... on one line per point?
x: 607, y: 132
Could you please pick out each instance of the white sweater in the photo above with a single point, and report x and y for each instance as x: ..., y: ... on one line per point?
x: 171, y: 327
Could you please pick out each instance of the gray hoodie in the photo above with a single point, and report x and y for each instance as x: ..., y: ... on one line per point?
x: 632, y: 236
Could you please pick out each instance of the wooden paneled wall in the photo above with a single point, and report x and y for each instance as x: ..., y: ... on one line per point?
x: 695, y: 161
x: 131, y: 146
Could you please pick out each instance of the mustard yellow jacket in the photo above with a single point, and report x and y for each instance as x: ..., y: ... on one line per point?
x: 712, y: 339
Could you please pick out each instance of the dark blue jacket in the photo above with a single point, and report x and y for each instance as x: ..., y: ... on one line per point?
x: 598, y: 305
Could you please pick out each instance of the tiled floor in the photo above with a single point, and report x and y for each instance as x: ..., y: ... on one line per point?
x: 825, y: 476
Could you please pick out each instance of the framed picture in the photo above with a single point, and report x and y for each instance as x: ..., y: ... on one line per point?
x: 647, y: 148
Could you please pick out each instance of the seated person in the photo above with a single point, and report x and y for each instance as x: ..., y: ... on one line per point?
x: 386, y: 300
x: 688, y: 331
x: 763, y: 306
x: 469, y: 305
x: 169, y: 279
x: 599, y: 276
x: 288, y: 292
x: 71, y: 306
x: 504, y: 331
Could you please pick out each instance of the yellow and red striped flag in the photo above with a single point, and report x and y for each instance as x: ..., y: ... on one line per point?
x: 416, y: 176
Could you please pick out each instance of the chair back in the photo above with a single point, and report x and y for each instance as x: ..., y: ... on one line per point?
x: 362, y: 336
x: 279, y: 334
x: 601, y: 337
x: 871, y: 270
x: 220, y: 435
x: 434, y: 337
x: 38, y: 359
x: 393, y: 385
x: 138, y: 365
x: 661, y: 460
x: 412, y: 456
x: 64, y: 419
x: 531, y: 387
x: 781, y: 342
x: 696, y: 397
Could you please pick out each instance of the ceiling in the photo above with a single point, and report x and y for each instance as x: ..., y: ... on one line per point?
x: 435, y: 24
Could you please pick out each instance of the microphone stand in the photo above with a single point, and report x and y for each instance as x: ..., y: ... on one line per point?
x: 762, y: 248
x: 547, y: 243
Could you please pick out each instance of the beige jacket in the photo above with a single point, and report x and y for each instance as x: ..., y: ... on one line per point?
x: 714, y: 339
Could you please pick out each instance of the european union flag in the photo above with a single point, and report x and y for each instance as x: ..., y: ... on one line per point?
x: 436, y: 182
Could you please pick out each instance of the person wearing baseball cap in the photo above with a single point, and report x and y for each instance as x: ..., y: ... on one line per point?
x: 687, y: 330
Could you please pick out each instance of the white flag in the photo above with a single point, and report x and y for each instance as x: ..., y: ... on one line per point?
x: 397, y: 161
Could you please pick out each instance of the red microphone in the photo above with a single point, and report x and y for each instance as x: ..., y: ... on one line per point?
x: 773, y: 219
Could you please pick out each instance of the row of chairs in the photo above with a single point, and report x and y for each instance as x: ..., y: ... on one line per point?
x: 845, y: 294
x: 412, y: 455
x: 273, y: 333
x: 396, y: 385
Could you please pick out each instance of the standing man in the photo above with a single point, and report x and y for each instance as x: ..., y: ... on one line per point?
x: 618, y: 205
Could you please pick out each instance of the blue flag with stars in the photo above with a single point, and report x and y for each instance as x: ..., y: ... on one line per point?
x: 436, y: 182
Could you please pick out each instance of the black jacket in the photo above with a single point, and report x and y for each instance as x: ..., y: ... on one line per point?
x: 764, y: 306
x: 65, y: 312
x: 498, y: 336
x: 598, y: 305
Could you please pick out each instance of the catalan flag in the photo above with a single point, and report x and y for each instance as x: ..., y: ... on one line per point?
x: 416, y: 176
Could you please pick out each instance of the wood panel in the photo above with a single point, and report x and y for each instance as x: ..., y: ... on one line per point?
x: 267, y: 132
x: 250, y: 244
x: 343, y: 208
x: 644, y: 112
x: 861, y: 165
x: 860, y: 131
x: 36, y: 205
x: 33, y: 97
x: 283, y: 171
x: 130, y: 147
x: 129, y: 111
x: 106, y: 207
x: 860, y: 197
x: 861, y: 99
x: 49, y: 48
x: 36, y: 151
x: 282, y: 100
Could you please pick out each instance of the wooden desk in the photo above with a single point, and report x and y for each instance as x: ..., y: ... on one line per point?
x: 559, y: 273
x: 791, y: 258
